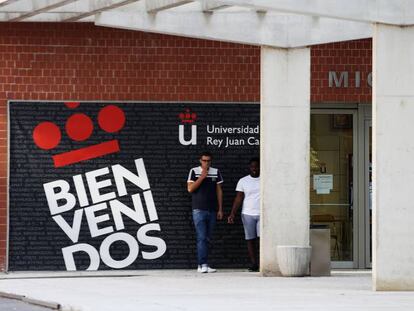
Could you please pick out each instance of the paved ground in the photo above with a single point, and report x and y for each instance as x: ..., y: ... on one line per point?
x: 15, y: 305
x: 229, y: 290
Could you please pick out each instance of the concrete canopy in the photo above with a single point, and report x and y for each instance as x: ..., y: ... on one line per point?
x: 275, y: 23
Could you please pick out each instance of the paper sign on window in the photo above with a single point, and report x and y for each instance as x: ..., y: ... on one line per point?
x: 323, y: 184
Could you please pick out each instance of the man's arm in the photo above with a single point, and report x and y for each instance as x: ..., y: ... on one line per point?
x: 219, y: 201
x: 238, y: 201
x: 194, y: 185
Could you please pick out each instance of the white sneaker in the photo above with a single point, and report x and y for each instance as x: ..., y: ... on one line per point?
x: 199, y: 269
x: 207, y: 269
x: 211, y: 270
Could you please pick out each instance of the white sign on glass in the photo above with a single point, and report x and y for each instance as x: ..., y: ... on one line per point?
x: 323, y: 184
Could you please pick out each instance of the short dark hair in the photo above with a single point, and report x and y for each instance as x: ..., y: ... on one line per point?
x: 254, y: 159
x: 206, y: 154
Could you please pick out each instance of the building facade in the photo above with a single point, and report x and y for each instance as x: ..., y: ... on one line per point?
x: 45, y: 63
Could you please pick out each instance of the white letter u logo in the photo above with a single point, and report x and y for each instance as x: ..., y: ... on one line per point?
x: 181, y: 138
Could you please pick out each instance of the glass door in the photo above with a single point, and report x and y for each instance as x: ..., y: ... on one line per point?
x: 332, y: 186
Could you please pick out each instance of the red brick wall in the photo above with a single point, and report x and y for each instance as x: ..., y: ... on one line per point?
x: 348, y: 56
x: 84, y: 62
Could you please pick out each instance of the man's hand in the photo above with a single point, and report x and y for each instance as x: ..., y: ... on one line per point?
x: 204, y: 173
x: 220, y: 215
x: 194, y: 185
x: 238, y: 201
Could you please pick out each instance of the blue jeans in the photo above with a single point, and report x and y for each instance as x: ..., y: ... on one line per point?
x: 204, y: 222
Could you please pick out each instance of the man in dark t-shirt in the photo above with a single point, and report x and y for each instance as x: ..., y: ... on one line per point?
x: 204, y: 184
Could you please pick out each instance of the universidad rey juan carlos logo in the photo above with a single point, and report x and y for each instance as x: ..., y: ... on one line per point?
x: 187, y: 118
x: 70, y: 197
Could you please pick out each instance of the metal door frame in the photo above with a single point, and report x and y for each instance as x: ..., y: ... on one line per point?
x: 366, y: 116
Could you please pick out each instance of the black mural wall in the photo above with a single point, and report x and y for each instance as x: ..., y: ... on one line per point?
x: 161, y: 235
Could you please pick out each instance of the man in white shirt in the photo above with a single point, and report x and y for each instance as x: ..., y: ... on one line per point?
x: 248, y: 196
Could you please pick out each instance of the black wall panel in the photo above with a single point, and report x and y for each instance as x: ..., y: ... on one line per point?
x: 151, y: 132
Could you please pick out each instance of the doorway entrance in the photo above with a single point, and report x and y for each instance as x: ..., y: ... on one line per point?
x: 340, y: 182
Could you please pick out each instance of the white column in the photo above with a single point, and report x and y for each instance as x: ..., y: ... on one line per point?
x: 393, y: 158
x: 285, y: 132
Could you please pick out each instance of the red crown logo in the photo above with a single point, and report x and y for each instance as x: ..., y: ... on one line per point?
x: 187, y: 116
x: 79, y: 127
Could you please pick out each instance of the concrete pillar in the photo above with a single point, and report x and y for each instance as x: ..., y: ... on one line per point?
x: 285, y: 136
x: 393, y: 158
